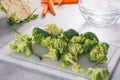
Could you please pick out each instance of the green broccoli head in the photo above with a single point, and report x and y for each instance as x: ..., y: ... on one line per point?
x: 77, y: 39
x: 89, y: 40
x: 67, y: 35
x: 39, y: 35
x: 69, y: 59
x: 99, y: 53
x: 59, y: 44
x: 56, y: 43
x: 97, y: 73
x: 76, y: 49
x: 53, y: 54
x: 23, y: 43
x: 47, y: 42
x: 53, y: 29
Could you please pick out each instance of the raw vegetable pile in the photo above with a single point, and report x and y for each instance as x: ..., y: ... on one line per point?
x: 66, y: 46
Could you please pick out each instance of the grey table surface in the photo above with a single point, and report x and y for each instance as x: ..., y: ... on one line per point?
x: 67, y: 15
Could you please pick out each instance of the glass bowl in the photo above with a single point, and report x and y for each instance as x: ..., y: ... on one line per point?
x: 100, y: 12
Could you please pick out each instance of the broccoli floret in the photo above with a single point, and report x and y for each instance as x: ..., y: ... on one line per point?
x: 77, y: 39
x: 68, y: 58
x: 59, y: 44
x: 39, y: 34
x: 46, y: 42
x: 53, y: 29
x: 53, y: 54
x: 22, y: 43
x: 97, y: 73
x: 67, y: 35
x: 56, y: 43
x: 99, y: 53
x: 76, y: 49
x: 89, y: 40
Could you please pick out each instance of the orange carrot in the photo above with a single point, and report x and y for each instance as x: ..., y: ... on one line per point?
x: 69, y: 1
x: 45, y: 2
x: 59, y: 2
x: 51, y: 7
x: 62, y: 2
x: 45, y: 10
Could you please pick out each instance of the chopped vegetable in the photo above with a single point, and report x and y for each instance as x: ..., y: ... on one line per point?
x: 67, y: 46
x: 59, y: 44
x: 76, y: 49
x: 69, y: 1
x: 67, y: 35
x: 97, y: 73
x: 55, y: 44
x: 39, y: 35
x: 45, y: 10
x: 60, y: 1
x: 53, y: 29
x: 46, y: 2
x: 68, y: 58
x: 76, y: 39
x: 88, y: 40
x: 57, y: 2
x: 99, y: 53
x: 51, y: 7
x: 53, y: 54
x: 46, y: 42
x: 22, y: 43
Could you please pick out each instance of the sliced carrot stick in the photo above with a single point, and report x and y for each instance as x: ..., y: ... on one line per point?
x: 45, y: 10
x: 59, y: 2
x: 62, y: 2
x: 69, y: 1
x: 45, y: 2
x: 51, y: 7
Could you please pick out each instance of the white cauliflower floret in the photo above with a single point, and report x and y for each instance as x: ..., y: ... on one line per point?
x: 21, y: 8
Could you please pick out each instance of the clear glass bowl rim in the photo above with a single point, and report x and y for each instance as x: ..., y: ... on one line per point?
x: 115, y: 12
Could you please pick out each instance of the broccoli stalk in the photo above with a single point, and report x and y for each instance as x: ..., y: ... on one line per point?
x: 76, y: 49
x: 99, y: 53
x: 97, y: 73
x: 68, y: 58
x: 39, y: 35
x: 53, y: 54
x: 22, y: 43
